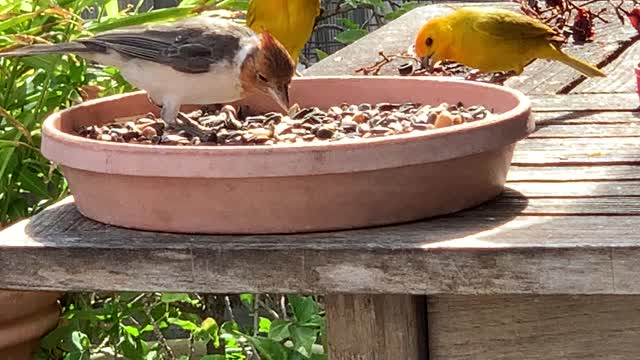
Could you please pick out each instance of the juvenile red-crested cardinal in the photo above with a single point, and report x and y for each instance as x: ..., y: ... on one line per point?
x: 197, y: 61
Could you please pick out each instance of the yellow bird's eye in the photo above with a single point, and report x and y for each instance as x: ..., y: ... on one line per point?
x: 429, y: 41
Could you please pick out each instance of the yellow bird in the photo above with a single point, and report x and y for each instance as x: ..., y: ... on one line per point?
x: 493, y: 40
x: 289, y: 21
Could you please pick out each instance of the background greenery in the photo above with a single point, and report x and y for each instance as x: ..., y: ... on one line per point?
x: 133, y: 325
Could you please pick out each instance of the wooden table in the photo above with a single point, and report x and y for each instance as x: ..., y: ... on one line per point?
x: 549, y: 270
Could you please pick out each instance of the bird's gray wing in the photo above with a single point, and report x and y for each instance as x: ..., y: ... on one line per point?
x: 189, y: 46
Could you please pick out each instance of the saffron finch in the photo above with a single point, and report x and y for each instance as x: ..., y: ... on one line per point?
x: 492, y: 40
x: 291, y: 22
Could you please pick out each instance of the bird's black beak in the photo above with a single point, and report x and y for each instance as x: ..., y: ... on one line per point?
x: 281, y: 96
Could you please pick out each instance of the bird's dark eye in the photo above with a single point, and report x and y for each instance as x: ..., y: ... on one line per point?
x: 429, y: 41
x: 262, y: 78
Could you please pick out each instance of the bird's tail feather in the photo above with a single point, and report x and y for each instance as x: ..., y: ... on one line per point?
x: 580, y: 65
x: 69, y: 47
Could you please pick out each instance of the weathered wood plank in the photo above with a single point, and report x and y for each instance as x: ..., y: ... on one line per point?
x: 541, y: 77
x: 586, y: 131
x: 582, y: 103
x: 621, y: 76
x: 586, y: 189
x: 575, y: 151
x: 375, y: 327
x: 617, y: 206
x: 543, y: 118
x: 534, y: 327
x: 469, y: 253
x: 573, y: 173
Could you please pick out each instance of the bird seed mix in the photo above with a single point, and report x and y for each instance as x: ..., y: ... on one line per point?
x: 227, y: 125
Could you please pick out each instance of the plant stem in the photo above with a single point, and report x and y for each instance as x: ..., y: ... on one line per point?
x: 156, y: 331
x: 256, y: 317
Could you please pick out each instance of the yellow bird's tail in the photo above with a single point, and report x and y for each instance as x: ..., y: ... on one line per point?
x: 580, y: 65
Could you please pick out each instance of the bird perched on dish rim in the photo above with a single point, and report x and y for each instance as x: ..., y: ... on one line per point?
x: 289, y: 21
x: 491, y: 40
x: 197, y: 61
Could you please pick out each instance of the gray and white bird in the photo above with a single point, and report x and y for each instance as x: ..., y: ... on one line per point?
x: 197, y: 61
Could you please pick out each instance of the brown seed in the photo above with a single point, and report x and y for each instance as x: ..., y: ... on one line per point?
x: 444, y: 119
x: 359, y: 117
x: 387, y: 106
x: 325, y: 132
x: 149, y: 132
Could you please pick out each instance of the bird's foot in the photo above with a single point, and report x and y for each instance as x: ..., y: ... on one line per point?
x: 192, y: 127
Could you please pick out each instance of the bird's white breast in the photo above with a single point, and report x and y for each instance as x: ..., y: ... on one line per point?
x: 220, y: 84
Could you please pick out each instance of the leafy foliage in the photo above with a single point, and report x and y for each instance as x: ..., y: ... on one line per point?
x: 135, y: 325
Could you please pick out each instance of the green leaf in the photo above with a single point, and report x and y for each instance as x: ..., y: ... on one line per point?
x: 264, y: 325
x: 279, y: 330
x: 320, y: 54
x: 184, y: 324
x: 175, y: 297
x: 142, y: 18
x: 210, y: 327
x: 315, y: 321
x: 406, y: 7
x: 348, y: 23
x: 269, y: 349
x: 111, y: 6
x: 14, y: 21
x: 303, y: 339
x: 350, y: 36
x: 131, y: 348
x: 248, y: 300
x: 131, y: 330
x: 80, y: 341
x: 55, y: 337
x: 31, y: 182
x: 304, y: 307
